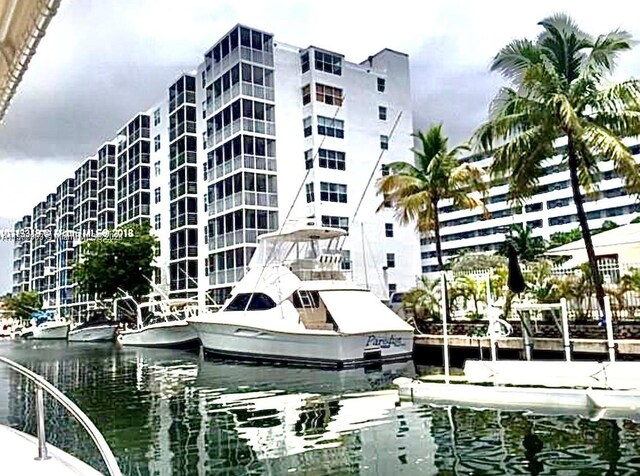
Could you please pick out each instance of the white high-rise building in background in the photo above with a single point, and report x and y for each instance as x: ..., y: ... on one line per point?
x: 548, y: 211
x: 259, y: 133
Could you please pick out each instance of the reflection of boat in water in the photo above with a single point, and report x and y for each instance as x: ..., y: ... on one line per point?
x: 46, y: 325
x: 159, y: 323
x: 310, y: 418
x: 296, y: 304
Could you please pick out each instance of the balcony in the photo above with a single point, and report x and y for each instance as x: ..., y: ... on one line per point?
x: 228, y: 276
x: 225, y: 133
x: 256, y: 56
x: 261, y: 199
x: 181, y: 128
x: 182, y: 98
x: 226, y: 97
x: 259, y: 127
x: 257, y: 91
x: 182, y: 158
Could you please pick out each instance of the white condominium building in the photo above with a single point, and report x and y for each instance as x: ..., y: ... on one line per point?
x: 259, y: 133
x: 549, y: 211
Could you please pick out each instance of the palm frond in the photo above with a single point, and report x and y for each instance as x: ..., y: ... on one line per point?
x: 513, y: 60
x: 606, y: 49
x: 607, y: 144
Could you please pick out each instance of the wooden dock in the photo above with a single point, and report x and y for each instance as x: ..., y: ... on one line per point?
x: 630, y: 347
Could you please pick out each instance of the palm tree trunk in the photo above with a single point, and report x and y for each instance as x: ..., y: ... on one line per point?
x: 436, y: 231
x: 596, y: 279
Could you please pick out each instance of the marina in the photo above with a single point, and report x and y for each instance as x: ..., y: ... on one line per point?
x: 169, y: 412
x: 236, y: 256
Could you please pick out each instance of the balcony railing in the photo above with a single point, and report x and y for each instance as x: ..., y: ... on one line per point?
x: 181, y: 128
x: 226, y: 276
x: 262, y: 199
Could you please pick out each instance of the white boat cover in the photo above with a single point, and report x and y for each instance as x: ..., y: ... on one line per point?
x: 358, y: 312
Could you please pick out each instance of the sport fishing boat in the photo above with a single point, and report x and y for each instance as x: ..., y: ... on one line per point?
x: 46, y: 325
x: 158, y: 323
x: 296, y: 304
x: 97, y: 328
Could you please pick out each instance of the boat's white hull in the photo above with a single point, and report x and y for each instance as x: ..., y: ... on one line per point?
x: 103, y: 333
x: 58, y: 330
x: 539, y: 400
x: 164, y: 334
x: 316, y: 348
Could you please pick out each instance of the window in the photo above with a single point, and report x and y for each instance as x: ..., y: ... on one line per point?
x: 157, y: 221
x: 333, y: 192
x: 385, y: 170
x: 391, y: 260
x: 306, y: 94
x: 328, y: 63
x: 331, y: 159
x: 251, y: 302
x: 384, y: 142
x: 304, y: 61
x: 306, y: 124
x: 329, y: 95
x: 382, y: 113
x: 388, y: 230
x: 336, y: 222
x: 157, y: 194
x: 309, y: 190
x: 156, y: 168
x: 330, y: 127
x: 308, y: 159
x: 346, y: 260
x: 382, y: 85
x: 156, y: 143
x: 156, y: 117
x: 393, y: 287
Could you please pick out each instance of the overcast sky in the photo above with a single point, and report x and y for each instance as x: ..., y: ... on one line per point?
x: 102, y: 61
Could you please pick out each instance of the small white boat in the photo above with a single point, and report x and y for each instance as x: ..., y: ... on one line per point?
x: 295, y: 304
x: 586, y: 374
x: 96, y: 328
x: 544, y: 400
x: 101, y: 331
x: 159, y: 324
x: 46, y: 325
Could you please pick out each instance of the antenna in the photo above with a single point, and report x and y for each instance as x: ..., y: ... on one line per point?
x: 375, y: 168
x: 373, y: 171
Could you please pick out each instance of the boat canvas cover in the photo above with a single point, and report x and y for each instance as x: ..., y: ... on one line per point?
x: 358, y: 312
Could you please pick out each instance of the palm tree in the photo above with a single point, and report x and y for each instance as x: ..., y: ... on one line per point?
x: 416, y: 190
x: 560, y: 89
x: 529, y: 247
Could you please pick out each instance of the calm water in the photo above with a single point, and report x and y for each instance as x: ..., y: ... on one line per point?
x: 170, y: 413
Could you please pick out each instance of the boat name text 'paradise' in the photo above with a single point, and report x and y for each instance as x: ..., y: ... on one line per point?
x: 385, y: 342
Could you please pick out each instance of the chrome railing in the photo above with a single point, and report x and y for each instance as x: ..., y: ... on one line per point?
x: 42, y: 385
